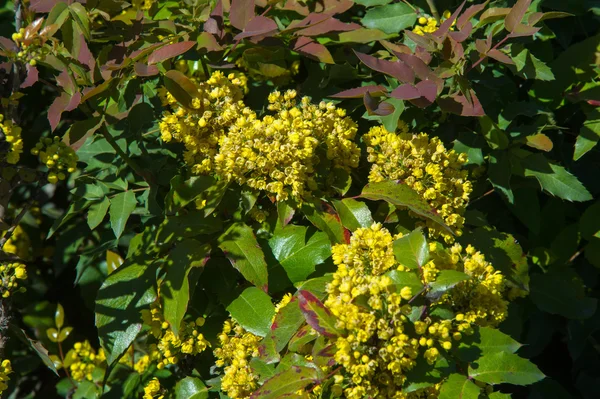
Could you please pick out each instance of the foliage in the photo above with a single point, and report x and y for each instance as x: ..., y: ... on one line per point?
x: 299, y: 199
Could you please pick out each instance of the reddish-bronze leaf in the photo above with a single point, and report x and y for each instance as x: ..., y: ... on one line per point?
x: 214, y: 24
x: 405, y: 92
x: 181, y: 87
x: 462, y: 34
x: 32, y: 77
x: 241, y: 12
x: 376, y: 107
x: 145, y: 70
x: 327, y: 26
x: 445, y: 26
x: 65, y: 81
x: 86, y: 57
x: 102, y: 87
x: 516, y: 14
x: 424, y: 41
x: 359, y: 92
x: 44, y: 6
x: 170, y: 51
x: 473, y: 108
x: 470, y: 13
x: 207, y: 41
x: 396, y: 48
x: 398, y: 70
x: 500, y: 56
x: 259, y: 26
x: 312, y: 49
x: 421, y: 69
x: 65, y: 102
x: 81, y: 130
x: 316, y: 314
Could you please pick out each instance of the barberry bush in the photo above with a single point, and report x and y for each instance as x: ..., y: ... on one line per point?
x: 261, y: 199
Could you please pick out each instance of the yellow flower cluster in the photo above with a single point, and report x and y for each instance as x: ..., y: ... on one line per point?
x: 170, y: 348
x: 430, y: 25
x: 152, y: 390
x: 5, y: 370
x: 19, y: 244
x: 282, y: 153
x: 424, y: 164
x: 57, y: 156
x: 12, y: 135
x: 285, y: 154
x: 481, y: 300
x: 82, y: 360
x: 217, y: 105
x: 141, y: 365
x: 142, y: 4
x: 31, y: 48
x: 237, y: 347
x: 10, y: 273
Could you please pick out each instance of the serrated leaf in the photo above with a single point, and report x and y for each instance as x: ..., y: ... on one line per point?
x: 445, y: 280
x: 555, y: 179
x: 353, y: 214
x: 253, y: 310
x: 120, y: 300
x: 391, y: 18
x: 297, y: 256
x: 97, y: 213
x: 411, y: 250
x: 286, y: 382
x: 241, y: 248
x: 485, y: 341
x: 121, y: 207
x: 316, y: 314
x: 175, y: 288
x: 457, y: 386
x: 405, y: 279
x: 190, y: 388
x: 287, y: 321
x: 399, y: 194
x: 589, y: 135
x: 529, y: 66
x: 327, y: 221
x: 503, y: 367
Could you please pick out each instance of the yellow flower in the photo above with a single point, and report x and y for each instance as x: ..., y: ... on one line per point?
x: 152, y: 390
x: 12, y: 135
x: 82, y: 360
x: 424, y: 164
x: 5, y: 370
x: 10, y: 273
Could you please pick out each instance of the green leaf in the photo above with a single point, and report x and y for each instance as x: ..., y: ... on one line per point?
x: 86, y: 389
x: 316, y: 314
x: 175, y: 288
x: 287, y: 321
x: 499, y: 395
x: 405, y: 279
x: 80, y: 16
x: 555, y: 179
x: 36, y: 346
x: 298, y: 257
x: 495, y: 137
x: 189, y: 224
x: 445, y: 280
x: 503, y: 367
x: 241, y: 248
x: 485, y: 341
x: 327, y: 221
x: 121, y: 206
x: 528, y: 65
x: 191, y: 388
x: 372, y: 3
x: 287, y: 382
x: 411, y: 250
x: 59, y: 316
x: 181, y: 87
x: 457, y: 386
x: 589, y: 223
x: 589, y: 135
x: 390, y: 122
x: 561, y: 291
x: 317, y: 285
x: 391, y: 18
x: 253, y: 310
x: 353, y: 214
x: 97, y: 213
x: 185, y: 191
x: 399, y: 194
x: 120, y: 300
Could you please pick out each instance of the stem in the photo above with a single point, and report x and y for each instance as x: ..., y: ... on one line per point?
x: 501, y: 42
x: 433, y: 8
x: 62, y: 359
x: 147, y: 176
x: 410, y: 5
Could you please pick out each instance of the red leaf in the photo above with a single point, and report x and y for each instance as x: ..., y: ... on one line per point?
x: 86, y: 57
x: 516, y: 14
x: 468, y: 108
x: 445, y: 26
x: 405, y: 92
x: 316, y: 314
x: 523, y: 30
x: 376, y: 107
x: 241, y: 12
x: 396, y: 48
x: 470, y: 13
x: 7, y: 44
x: 428, y: 90
x: 421, y: 69
x: 312, y: 49
x: 214, y: 24
x: 500, y: 56
x: 80, y: 131
x: 258, y: 26
x: 44, y: 6
x: 65, y: 102
x: 462, y: 34
x: 359, y: 92
x: 397, y: 70
x: 65, y: 81
x: 327, y: 26
x: 32, y: 77
x: 170, y: 51
x: 145, y: 70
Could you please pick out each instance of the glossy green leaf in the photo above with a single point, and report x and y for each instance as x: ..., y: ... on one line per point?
x: 287, y: 382
x: 411, y: 250
x: 296, y: 255
x: 445, y: 280
x: 457, y: 386
x: 353, y: 214
x: 286, y: 323
x: 253, y: 310
x: 121, y: 207
x: 241, y: 248
x: 555, y: 179
x: 120, y: 300
x: 485, y: 341
x: 97, y: 212
x: 392, y: 18
x: 405, y: 279
x: 185, y: 191
x: 528, y: 65
x: 316, y: 314
x: 399, y: 194
x: 190, y: 388
x: 175, y: 288
x: 327, y: 221
x: 503, y: 367
x: 589, y: 135
x: 59, y: 316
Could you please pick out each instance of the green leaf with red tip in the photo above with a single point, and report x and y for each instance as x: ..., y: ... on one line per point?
x: 316, y: 314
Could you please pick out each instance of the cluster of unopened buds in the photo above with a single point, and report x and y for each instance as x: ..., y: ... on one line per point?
x: 10, y: 273
x: 57, y: 156
x: 31, y: 49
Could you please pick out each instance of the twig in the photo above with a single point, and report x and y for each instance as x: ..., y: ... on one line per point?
x: 433, y: 8
x: 480, y: 60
